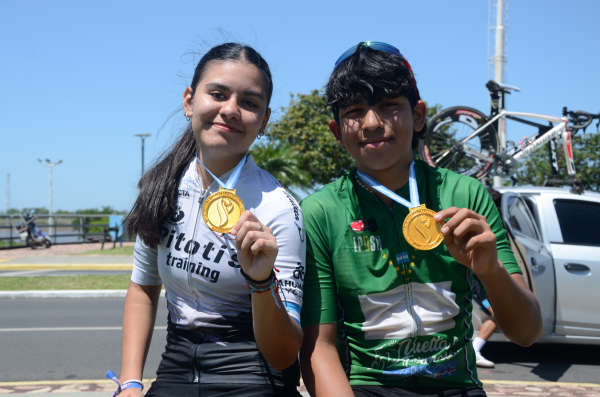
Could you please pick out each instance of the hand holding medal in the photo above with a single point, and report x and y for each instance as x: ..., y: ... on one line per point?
x: 420, y: 229
x: 469, y: 239
x: 256, y: 246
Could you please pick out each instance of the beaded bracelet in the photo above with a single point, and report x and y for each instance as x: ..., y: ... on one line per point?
x: 254, y: 288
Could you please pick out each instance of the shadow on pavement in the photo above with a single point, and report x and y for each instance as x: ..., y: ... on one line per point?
x: 548, y: 361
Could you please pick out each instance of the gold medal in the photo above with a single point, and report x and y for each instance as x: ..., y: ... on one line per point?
x: 421, y: 230
x: 221, y: 210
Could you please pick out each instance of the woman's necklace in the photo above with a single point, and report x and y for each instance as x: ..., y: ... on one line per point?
x: 221, y: 210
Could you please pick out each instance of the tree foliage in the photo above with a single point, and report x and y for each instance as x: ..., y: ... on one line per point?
x: 281, y: 162
x: 586, y: 154
x: 304, y: 129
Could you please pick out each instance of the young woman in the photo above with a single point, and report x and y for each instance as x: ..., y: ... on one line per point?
x: 233, y: 286
x: 388, y: 290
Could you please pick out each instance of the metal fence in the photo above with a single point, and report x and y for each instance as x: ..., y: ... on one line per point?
x: 61, y: 229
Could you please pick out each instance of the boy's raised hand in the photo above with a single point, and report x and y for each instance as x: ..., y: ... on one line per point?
x: 469, y: 239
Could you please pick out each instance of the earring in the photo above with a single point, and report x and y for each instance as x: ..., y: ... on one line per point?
x: 260, y: 135
x: 186, y: 116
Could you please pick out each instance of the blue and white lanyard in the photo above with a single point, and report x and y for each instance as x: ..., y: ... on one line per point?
x: 233, y: 178
x: 412, y: 184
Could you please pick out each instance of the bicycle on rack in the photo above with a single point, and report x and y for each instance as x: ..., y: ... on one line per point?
x: 464, y: 139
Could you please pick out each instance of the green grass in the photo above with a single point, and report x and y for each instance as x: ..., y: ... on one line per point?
x: 120, y: 281
x: 110, y: 251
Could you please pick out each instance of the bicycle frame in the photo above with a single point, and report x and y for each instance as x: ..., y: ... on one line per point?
x: 562, y: 130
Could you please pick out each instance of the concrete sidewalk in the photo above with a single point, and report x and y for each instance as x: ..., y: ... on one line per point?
x: 101, y: 388
x: 62, y: 260
x: 55, y: 250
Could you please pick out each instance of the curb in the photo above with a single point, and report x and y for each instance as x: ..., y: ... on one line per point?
x: 69, y: 293
x: 66, y: 266
x: 535, y: 383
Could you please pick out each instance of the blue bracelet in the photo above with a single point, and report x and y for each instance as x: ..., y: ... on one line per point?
x: 136, y: 384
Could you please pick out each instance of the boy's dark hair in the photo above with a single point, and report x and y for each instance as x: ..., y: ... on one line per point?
x: 158, y: 187
x: 375, y: 76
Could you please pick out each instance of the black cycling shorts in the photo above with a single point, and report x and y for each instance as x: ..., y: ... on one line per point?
x: 390, y: 391
x: 196, y: 364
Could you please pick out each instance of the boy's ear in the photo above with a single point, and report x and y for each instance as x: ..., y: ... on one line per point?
x: 419, y: 115
x: 335, y: 129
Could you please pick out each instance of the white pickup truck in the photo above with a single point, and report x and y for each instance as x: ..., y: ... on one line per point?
x: 560, y: 231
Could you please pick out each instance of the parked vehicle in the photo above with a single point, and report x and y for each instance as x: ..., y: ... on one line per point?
x: 562, y: 245
x: 31, y: 234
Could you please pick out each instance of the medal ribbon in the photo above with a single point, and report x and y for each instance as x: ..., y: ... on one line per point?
x: 412, y: 185
x: 233, y: 178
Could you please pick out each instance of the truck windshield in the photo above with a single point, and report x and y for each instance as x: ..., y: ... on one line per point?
x: 578, y: 221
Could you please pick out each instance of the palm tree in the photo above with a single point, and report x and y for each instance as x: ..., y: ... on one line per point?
x: 281, y: 162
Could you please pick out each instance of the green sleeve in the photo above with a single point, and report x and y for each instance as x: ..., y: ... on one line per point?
x: 479, y: 200
x: 319, y: 300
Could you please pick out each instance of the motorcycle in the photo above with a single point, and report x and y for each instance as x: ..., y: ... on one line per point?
x: 31, y: 234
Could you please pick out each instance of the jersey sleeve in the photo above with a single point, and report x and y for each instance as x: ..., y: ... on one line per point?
x: 285, y: 218
x: 319, y: 284
x: 145, y: 265
x: 480, y: 201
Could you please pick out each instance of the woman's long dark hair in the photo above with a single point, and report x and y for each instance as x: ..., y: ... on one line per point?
x: 158, y: 187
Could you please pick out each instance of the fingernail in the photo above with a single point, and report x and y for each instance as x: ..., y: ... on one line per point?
x: 462, y: 251
x: 437, y: 217
x: 445, y: 230
x: 456, y: 241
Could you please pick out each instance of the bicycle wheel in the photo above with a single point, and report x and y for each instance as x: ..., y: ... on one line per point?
x: 447, y: 133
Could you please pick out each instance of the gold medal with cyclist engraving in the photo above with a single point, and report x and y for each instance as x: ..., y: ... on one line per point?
x: 420, y: 229
x: 221, y: 210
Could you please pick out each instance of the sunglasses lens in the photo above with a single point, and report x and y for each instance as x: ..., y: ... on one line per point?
x: 375, y: 45
x: 345, y: 55
x: 384, y: 47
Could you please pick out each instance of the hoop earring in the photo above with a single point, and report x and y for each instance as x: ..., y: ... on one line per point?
x: 260, y: 135
x: 186, y: 116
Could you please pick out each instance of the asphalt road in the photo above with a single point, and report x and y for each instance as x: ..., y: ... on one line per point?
x: 64, y: 339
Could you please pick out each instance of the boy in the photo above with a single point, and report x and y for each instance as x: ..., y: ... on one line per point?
x: 382, y: 317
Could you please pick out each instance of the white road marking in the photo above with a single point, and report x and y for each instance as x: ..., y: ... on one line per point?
x: 71, y: 329
x: 24, y: 273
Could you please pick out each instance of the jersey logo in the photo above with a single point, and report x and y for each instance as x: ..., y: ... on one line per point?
x: 177, y: 216
x: 435, y: 371
x: 367, y: 243
x: 363, y: 225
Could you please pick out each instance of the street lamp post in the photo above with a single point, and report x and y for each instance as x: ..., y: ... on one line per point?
x: 143, y: 136
x: 50, y: 164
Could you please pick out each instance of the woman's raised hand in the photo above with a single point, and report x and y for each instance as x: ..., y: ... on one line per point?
x: 256, y: 246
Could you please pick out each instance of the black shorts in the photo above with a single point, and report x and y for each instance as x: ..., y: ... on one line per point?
x: 390, y: 391
x: 196, y: 364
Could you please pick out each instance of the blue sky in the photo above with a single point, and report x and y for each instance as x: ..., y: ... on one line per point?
x: 80, y: 78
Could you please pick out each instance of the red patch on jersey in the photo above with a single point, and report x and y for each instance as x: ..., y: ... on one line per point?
x: 357, y: 226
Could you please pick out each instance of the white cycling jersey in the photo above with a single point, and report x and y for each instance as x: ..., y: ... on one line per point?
x: 199, y: 268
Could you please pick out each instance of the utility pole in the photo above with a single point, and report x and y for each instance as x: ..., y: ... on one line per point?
x: 143, y: 136
x: 499, y: 61
x: 7, y: 193
x: 8, y: 223
x: 50, y: 164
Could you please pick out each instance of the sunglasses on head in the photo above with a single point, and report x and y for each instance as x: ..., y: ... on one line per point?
x: 377, y: 46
